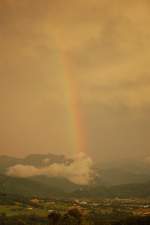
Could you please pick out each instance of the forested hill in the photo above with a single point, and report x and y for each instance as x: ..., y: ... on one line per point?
x: 56, y: 187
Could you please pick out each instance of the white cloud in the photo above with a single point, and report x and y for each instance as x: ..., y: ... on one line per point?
x: 78, y: 172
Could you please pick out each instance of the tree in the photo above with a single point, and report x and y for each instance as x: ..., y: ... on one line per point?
x: 54, y: 218
x: 76, y: 215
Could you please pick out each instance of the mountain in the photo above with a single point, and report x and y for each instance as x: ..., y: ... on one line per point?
x: 120, y: 191
x: 6, y: 162
x: 36, y: 185
x: 30, y: 187
x: 57, y: 183
x: 40, y: 160
x: 119, y: 176
x: 123, y: 181
x: 128, y: 172
x: 52, y: 187
x: 37, y: 160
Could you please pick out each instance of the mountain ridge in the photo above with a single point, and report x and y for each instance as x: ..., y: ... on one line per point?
x: 110, y: 182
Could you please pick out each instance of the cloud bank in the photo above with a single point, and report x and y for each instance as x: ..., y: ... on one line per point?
x: 78, y: 172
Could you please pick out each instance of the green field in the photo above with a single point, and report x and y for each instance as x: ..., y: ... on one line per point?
x: 26, y: 209
x: 15, y: 210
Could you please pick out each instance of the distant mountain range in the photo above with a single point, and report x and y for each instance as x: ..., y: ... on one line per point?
x: 110, y: 182
x: 140, y: 190
x: 37, y: 160
x: 53, y: 187
x: 36, y: 186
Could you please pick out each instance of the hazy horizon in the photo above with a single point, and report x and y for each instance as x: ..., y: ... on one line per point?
x: 75, y: 77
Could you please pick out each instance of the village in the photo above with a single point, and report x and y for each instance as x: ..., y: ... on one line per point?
x: 102, y: 207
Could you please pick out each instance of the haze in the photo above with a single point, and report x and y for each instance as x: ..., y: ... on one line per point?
x: 104, y: 47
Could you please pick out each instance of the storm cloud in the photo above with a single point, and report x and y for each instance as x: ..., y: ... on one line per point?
x: 103, y: 47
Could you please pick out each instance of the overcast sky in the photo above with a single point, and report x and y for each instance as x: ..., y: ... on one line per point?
x: 104, y: 47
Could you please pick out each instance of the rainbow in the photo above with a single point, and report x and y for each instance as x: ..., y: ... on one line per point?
x: 76, y: 133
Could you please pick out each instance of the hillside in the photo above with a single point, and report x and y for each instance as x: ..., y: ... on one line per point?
x: 28, y: 187
x: 121, y: 191
x: 53, y: 187
x: 109, y: 182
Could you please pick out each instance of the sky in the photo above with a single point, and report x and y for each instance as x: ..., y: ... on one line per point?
x: 75, y: 76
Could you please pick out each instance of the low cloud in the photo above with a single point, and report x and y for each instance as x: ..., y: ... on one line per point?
x: 79, y: 171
